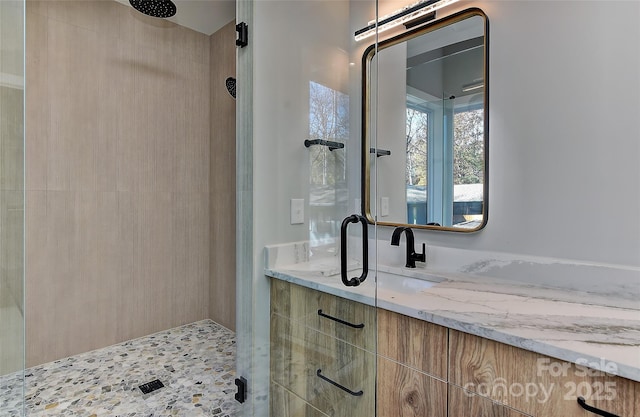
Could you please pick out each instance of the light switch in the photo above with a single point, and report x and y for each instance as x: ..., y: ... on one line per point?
x: 384, y: 206
x: 297, y: 210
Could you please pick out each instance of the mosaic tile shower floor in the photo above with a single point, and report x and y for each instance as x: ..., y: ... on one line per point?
x: 195, y: 363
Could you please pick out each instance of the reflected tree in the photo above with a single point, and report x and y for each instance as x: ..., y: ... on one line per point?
x: 468, y: 147
x: 416, y: 134
x: 328, y: 192
x: 328, y: 120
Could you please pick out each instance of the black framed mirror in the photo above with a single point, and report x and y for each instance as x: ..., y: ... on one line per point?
x: 425, y: 126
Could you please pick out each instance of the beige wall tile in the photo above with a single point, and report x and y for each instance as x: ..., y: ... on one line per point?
x: 11, y: 245
x: 36, y: 241
x: 150, y: 76
x: 222, y: 180
x: 37, y: 298
x: 164, y: 88
x: 100, y: 16
x: 118, y: 244
x: 37, y: 98
x: 107, y: 279
x: 190, y: 257
x: 37, y: 7
x: 193, y: 133
x: 78, y: 289
x: 129, y: 309
x: 11, y: 139
x: 73, y: 107
x: 153, y: 33
x: 108, y: 83
x: 47, y: 271
x: 195, y: 47
x: 154, y: 261
x: 127, y: 141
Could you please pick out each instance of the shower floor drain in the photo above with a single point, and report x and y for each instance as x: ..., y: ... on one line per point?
x: 151, y: 386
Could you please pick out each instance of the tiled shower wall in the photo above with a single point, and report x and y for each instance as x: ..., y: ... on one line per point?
x: 222, y: 179
x: 117, y: 176
x: 11, y: 231
x: 11, y: 186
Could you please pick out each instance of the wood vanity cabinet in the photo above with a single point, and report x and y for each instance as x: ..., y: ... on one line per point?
x: 311, y: 354
x: 423, y: 370
x: 535, y: 384
x: 302, y: 305
x: 407, y: 392
x: 412, y: 367
x: 415, y: 382
x: 462, y: 403
x: 415, y: 343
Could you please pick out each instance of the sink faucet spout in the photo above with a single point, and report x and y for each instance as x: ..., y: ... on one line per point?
x: 412, y: 256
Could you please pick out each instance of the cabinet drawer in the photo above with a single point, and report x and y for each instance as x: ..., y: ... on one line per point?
x: 467, y: 404
x: 536, y: 384
x: 406, y: 392
x: 283, y: 403
x: 298, y: 352
x: 415, y: 343
x: 302, y: 305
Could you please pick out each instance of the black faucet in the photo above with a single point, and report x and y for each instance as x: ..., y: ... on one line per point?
x: 412, y: 256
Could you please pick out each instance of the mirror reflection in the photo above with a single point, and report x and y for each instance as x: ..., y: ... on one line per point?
x: 425, y: 126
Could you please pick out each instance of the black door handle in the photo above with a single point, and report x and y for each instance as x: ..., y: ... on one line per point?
x: 355, y: 281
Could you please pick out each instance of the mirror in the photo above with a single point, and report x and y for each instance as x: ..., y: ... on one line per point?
x: 425, y: 126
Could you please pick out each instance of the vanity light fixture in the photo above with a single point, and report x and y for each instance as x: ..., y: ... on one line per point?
x: 472, y: 86
x: 402, y: 16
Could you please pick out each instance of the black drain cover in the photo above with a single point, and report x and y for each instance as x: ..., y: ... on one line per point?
x: 151, y: 386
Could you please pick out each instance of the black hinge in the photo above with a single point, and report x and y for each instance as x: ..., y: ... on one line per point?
x: 241, y: 395
x: 243, y: 35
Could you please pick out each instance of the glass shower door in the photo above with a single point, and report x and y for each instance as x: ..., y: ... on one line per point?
x: 306, y: 342
x: 11, y: 208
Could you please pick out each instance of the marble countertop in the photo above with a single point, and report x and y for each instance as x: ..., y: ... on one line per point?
x: 567, y: 326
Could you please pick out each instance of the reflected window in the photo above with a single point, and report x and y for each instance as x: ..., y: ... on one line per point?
x: 465, y: 167
x: 468, y: 165
x: 417, y: 132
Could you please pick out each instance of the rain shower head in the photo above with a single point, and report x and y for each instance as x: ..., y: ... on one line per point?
x: 155, y: 8
x: 230, y: 82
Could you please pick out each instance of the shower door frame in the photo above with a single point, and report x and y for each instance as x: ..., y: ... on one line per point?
x: 252, y: 286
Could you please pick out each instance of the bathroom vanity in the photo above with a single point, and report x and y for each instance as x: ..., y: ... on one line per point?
x: 443, y: 347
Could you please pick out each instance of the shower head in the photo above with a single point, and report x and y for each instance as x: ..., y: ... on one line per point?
x: 155, y: 8
x: 230, y: 82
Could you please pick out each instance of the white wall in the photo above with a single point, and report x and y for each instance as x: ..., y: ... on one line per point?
x: 390, y: 132
x: 564, y: 151
x: 564, y: 178
x: 564, y: 106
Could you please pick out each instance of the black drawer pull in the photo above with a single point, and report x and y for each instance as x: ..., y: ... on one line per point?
x: 594, y: 410
x: 355, y: 394
x: 355, y: 326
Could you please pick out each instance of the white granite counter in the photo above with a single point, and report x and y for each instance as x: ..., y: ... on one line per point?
x: 563, y: 325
